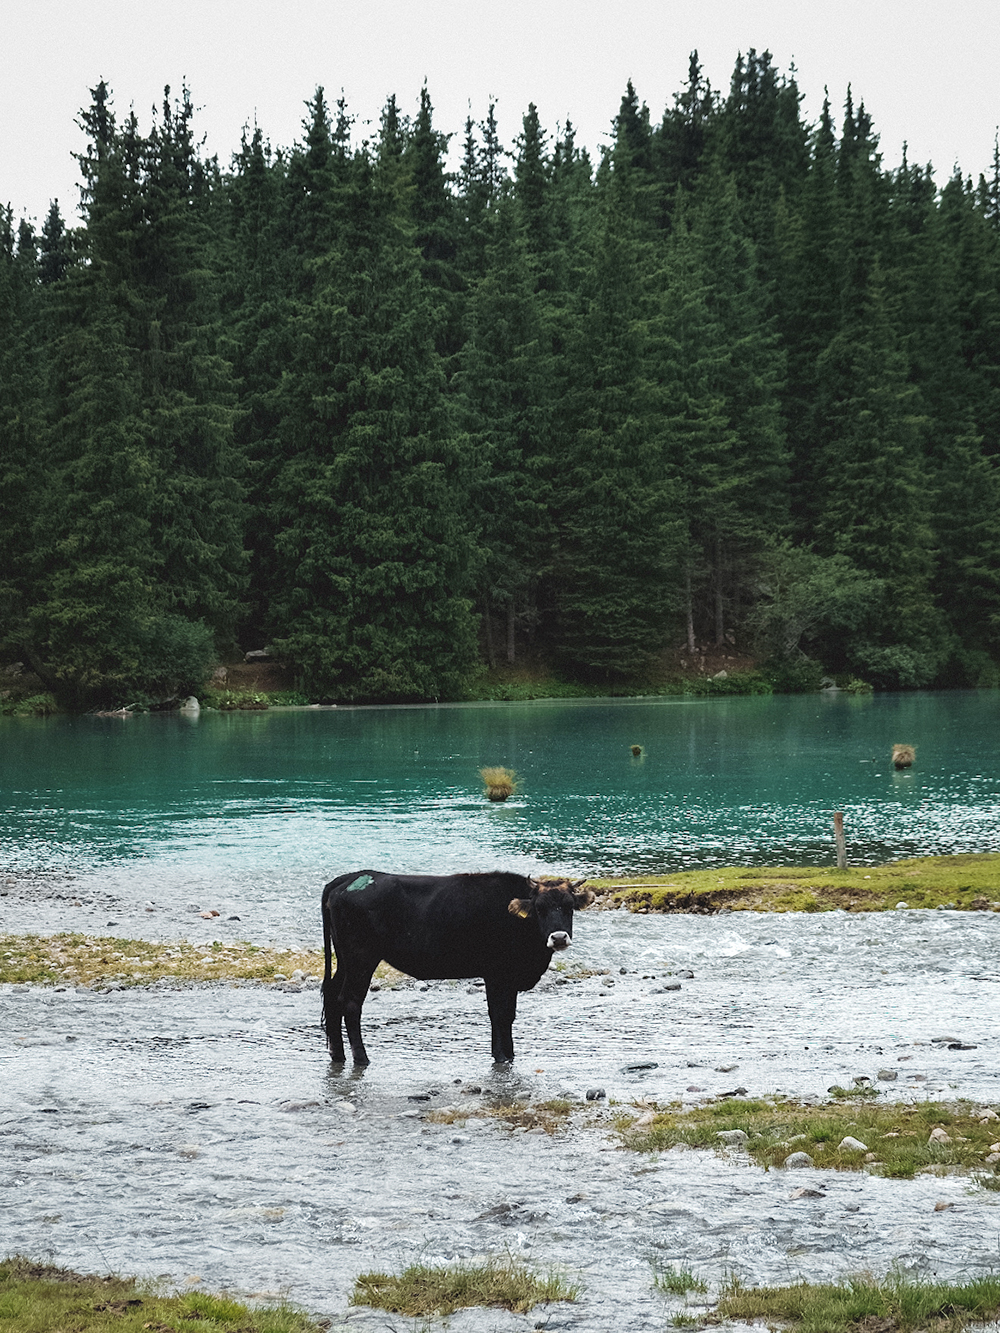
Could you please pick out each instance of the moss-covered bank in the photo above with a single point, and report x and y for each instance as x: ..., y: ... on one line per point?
x: 970, y: 883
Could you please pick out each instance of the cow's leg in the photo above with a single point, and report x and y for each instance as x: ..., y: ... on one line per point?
x: 501, y: 1001
x: 333, y: 1013
x: 354, y: 993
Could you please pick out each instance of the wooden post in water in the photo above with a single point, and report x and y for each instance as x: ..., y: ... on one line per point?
x: 838, y: 833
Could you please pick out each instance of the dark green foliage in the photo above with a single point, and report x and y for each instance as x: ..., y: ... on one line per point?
x: 737, y: 389
x: 374, y: 548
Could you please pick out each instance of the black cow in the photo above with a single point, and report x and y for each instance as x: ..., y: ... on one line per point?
x: 501, y: 927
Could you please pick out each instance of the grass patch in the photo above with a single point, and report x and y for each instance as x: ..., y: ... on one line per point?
x: 40, y: 1298
x: 896, y: 1135
x: 676, y: 1281
x: 865, y: 1304
x: 424, y: 1289
x: 969, y: 882
x: 88, y: 960
x: 550, y: 1116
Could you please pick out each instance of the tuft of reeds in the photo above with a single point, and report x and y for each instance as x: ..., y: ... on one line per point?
x: 903, y: 755
x: 425, y: 1289
x: 676, y: 1281
x: 500, y: 782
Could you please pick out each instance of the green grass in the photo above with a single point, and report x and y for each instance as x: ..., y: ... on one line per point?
x: 896, y: 1134
x: 865, y: 1304
x: 962, y: 882
x: 424, y: 1289
x: 40, y: 1298
x: 676, y: 1281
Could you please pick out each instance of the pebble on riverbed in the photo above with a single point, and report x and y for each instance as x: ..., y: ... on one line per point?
x: 795, y: 1160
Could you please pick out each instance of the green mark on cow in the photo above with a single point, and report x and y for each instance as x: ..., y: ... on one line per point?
x: 361, y: 882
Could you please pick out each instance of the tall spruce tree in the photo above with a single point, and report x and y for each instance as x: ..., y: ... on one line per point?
x: 137, y: 556
x: 614, y: 575
x: 373, y: 542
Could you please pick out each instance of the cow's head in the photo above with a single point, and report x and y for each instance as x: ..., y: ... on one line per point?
x: 551, y: 903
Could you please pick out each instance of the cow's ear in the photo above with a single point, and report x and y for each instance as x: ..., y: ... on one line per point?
x: 518, y: 907
x: 582, y: 899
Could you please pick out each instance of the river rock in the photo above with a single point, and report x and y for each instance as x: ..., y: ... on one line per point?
x: 939, y: 1135
x: 851, y: 1144
x: 735, y: 1137
x: 888, y: 1075
x: 807, y: 1194
x: 596, y: 1094
x: 795, y: 1160
x: 984, y: 1114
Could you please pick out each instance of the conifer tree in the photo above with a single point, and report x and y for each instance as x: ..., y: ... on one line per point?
x: 373, y: 537
x: 878, y: 510
x: 138, y: 558
x: 614, y: 575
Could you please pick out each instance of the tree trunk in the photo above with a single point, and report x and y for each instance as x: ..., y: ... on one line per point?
x: 720, y: 620
x: 491, y: 655
x: 692, y: 647
x: 510, y: 630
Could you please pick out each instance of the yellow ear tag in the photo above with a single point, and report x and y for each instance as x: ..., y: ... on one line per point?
x: 524, y: 912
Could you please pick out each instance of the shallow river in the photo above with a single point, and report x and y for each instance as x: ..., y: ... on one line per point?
x: 202, y: 1135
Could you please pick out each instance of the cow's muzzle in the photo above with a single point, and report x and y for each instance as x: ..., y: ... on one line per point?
x: 558, y: 940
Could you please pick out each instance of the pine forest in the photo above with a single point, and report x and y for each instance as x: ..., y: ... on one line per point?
x: 406, y: 409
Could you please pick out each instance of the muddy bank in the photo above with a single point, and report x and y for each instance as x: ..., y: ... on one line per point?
x: 202, y: 1134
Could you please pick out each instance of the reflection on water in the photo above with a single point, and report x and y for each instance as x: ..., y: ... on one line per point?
x: 269, y: 805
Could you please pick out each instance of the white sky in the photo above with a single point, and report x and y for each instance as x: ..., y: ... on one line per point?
x: 924, y: 68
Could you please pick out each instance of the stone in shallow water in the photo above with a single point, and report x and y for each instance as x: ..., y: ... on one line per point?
x: 796, y: 1160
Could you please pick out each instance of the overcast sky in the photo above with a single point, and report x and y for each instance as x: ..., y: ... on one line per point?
x: 925, y: 69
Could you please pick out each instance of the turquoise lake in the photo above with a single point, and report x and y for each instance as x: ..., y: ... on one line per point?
x: 289, y: 798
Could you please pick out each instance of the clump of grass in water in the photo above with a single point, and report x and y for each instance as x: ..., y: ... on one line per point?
x: 423, y: 1289
x: 676, y: 1281
x: 898, y: 1134
x: 892, y: 1305
x: 550, y: 1116
x: 500, y: 782
x: 37, y: 1298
